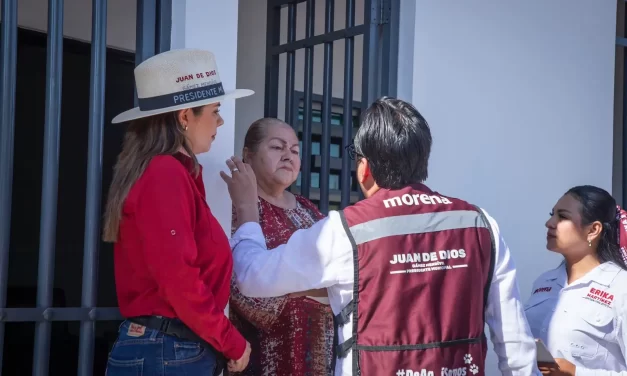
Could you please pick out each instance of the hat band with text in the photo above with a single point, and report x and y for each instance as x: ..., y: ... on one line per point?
x: 180, y: 98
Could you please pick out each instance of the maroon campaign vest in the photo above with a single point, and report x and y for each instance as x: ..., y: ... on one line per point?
x: 423, y: 266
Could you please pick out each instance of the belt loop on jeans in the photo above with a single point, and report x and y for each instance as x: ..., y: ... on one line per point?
x: 165, y: 325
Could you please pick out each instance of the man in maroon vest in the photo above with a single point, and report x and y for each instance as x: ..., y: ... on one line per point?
x: 412, y: 275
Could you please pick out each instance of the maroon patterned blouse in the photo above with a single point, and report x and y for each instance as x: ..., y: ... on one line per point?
x: 288, y: 336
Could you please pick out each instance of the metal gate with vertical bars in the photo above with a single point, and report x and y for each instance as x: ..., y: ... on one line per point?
x: 621, y: 72
x: 153, y: 36
x: 380, y: 53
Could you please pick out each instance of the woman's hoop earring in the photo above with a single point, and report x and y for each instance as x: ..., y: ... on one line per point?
x: 185, y: 127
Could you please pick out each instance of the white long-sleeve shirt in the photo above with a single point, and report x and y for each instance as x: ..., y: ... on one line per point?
x: 322, y: 257
x: 584, y: 322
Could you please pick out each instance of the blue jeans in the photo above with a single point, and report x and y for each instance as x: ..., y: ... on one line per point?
x: 142, y: 351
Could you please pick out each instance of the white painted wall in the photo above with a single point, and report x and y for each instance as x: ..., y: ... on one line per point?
x: 519, y: 96
x: 191, y: 29
x: 251, y: 66
x: 406, y: 36
x: 33, y: 14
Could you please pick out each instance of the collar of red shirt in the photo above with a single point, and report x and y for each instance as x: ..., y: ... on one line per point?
x: 188, y: 162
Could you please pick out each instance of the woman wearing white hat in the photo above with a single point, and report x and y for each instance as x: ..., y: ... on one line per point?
x: 172, y: 259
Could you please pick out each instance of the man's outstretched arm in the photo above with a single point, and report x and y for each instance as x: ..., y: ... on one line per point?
x: 314, y: 258
x: 513, y: 342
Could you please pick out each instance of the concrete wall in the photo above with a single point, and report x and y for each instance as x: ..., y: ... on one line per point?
x: 33, y: 14
x: 187, y: 34
x: 519, y: 96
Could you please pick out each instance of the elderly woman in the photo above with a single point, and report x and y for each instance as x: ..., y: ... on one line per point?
x: 289, y: 335
x: 173, y: 264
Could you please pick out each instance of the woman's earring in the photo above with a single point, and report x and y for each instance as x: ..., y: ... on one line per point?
x: 589, y: 243
x: 184, y: 127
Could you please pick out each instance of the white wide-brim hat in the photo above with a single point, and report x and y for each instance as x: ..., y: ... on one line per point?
x: 176, y: 80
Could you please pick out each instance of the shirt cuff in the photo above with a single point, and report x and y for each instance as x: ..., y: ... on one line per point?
x: 248, y: 231
x: 238, y: 348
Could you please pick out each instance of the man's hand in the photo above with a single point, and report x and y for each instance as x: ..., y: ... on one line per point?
x: 566, y: 368
x: 548, y: 368
x: 318, y: 293
x: 562, y: 368
x: 240, y: 364
x: 243, y: 190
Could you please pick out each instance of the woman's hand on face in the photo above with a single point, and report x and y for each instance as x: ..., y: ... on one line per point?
x: 242, y: 186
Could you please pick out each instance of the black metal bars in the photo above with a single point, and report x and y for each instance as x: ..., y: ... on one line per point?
x: 153, y: 29
x: 272, y: 62
x: 380, y: 32
x: 163, y: 35
x: 319, y: 39
x: 390, y: 14
x: 327, y: 94
x: 94, y: 181
x: 8, y: 56
x: 43, y: 315
x: 60, y: 314
x: 305, y: 180
x: 48, y: 222
x: 291, y: 66
x: 145, y: 30
x: 347, y: 124
x: 370, y: 70
x: 278, y: 3
x: 622, y: 41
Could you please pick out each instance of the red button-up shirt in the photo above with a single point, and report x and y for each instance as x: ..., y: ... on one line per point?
x: 172, y: 257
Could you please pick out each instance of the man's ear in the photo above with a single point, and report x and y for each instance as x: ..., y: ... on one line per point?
x: 363, y: 170
x: 367, y: 172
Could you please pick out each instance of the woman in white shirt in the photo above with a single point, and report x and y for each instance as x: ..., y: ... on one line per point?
x: 579, y: 309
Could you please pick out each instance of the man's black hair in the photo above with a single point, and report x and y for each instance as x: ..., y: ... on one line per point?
x: 396, y: 141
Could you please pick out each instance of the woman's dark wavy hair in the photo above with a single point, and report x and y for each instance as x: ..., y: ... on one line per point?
x: 145, y: 138
x: 598, y: 205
